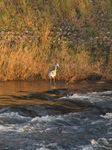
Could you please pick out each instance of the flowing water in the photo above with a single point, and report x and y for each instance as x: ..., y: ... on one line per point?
x: 37, y: 116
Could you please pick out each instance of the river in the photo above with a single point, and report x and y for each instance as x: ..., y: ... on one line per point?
x: 37, y: 116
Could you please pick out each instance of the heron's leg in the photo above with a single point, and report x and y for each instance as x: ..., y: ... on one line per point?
x: 50, y: 80
x: 54, y: 80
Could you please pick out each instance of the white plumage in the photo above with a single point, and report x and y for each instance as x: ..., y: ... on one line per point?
x: 51, y: 75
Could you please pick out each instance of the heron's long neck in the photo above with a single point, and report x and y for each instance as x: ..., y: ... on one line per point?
x: 55, y: 68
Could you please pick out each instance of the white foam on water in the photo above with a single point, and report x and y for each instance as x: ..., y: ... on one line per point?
x: 49, y: 146
x: 75, y: 96
x: 14, y: 115
x: 42, y: 148
x: 93, y: 97
x: 19, y: 128
x: 88, y: 147
x: 94, y: 143
x: 96, y: 122
x: 101, y: 143
x: 38, y: 123
x: 6, y: 128
x: 12, y: 121
x: 47, y: 118
x: 26, y: 128
x: 107, y: 116
x: 10, y: 127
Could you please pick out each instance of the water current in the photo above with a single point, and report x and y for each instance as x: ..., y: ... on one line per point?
x: 37, y: 116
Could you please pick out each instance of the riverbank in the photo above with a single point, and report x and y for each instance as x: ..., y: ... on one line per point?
x: 35, y: 35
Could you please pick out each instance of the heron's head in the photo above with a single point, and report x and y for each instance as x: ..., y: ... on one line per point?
x: 57, y: 65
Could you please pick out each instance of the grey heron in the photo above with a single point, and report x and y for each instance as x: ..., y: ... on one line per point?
x: 52, y: 74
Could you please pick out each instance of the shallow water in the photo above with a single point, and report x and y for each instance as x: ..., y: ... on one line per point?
x: 37, y: 116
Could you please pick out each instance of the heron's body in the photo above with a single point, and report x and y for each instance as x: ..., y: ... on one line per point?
x: 52, y: 74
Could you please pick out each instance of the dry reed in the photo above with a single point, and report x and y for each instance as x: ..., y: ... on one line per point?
x: 32, y: 58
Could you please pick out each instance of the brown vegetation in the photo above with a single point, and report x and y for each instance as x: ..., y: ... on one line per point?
x: 32, y: 40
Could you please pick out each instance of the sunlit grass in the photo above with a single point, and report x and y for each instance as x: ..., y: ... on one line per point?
x: 34, y: 57
x: 34, y: 62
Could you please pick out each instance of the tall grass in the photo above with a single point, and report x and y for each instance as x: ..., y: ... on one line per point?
x: 22, y: 64
x: 85, y: 9
x: 25, y: 13
x: 108, y: 70
x: 28, y: 64
x: 34, y: 57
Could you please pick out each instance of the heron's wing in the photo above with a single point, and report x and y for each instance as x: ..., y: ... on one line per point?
x: 52, y: 74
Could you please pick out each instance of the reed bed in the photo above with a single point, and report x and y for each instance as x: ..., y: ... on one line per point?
x: 32, y: 63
